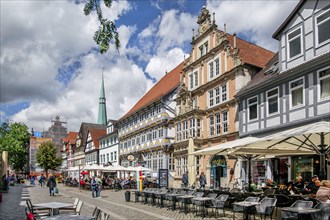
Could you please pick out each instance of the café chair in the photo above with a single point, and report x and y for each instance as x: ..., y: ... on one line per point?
x: 324, y: 214
x: 299, y: 203
x: 282, y: 201
x: 219, y: 203
x: 237, y: 208
x: 96, y: 213
x: 70, y: 209
x: 75, y: 211
x: 265, y: 208
x: 37, y: 211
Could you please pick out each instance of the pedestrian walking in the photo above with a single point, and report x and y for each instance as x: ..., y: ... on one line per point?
x: 98, y: 187
x: 202, y: 180
x: 42, y: 180
x: 185, y: 180
x: 51, y: 183
x: 94, y: 185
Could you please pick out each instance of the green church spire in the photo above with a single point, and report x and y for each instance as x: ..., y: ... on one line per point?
x: 102, y: 116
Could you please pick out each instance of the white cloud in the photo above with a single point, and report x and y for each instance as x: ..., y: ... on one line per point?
x: 37, y: 43
x: 259, y: 18
x: 165, y: 62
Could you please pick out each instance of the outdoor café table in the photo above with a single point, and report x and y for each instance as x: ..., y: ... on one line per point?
x: 54, y: 206
x: 69, y: 217
x: 185, y: 199
x: 301, y: 211
x: 203, y: 200
x: 161, y: 196
x: 173, y: 199
x: 246, y: 205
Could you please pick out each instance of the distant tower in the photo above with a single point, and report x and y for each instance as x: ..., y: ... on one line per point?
x: 102, y: 116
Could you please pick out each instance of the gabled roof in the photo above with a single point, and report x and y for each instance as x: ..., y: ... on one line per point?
x: 165, y: 85
x: 268, y: 72
x: 288, y: 19
x: 84, y: 130
x: 251, y: 53
x: 71, y: 137
x: 96, y: 134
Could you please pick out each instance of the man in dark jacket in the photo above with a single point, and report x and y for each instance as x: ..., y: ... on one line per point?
x: 185, y: 179
x: 51, y: 183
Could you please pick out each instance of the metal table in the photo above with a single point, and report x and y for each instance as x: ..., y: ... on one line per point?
x: 54, y: 206
x: 203, y: 201
x: 302, y: 212
x: 69, y: 217
x: 185, y: 199
x: 173, y: 196
x: 246, y: 206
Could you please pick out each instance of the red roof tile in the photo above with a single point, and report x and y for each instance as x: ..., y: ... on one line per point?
x: 251, y: 53
x: 160, y: 89
x: 96, y: 134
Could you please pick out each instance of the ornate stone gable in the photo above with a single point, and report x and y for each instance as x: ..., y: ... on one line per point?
x: 204, y: 21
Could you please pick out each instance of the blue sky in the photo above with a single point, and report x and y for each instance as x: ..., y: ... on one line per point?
x: 50, y: 65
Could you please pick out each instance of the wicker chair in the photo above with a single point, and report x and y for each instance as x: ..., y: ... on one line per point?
x: 237, y: 208
x: 219, y: 203
x: 299, y: 203
x: 265, y: 208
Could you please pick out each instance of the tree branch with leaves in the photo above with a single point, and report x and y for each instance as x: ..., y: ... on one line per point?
x: 107, y: 31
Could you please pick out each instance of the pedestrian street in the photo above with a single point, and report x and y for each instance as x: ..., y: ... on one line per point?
x: 111, y: 201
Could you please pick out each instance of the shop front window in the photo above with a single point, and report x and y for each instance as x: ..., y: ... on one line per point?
x: 259, y: 170
x: 305, y: 166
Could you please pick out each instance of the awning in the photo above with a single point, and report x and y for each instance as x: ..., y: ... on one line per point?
x: 221, y: 149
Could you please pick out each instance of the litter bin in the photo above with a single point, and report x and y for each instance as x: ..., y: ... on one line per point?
x: 127, y: 196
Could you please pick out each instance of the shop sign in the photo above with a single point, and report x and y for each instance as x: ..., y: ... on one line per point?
x: 163, y: 178
x: 218, y: 161
x: 130, y: 157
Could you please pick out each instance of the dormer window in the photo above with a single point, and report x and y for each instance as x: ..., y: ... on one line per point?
x: 323, y: 27
x: 294, y: 43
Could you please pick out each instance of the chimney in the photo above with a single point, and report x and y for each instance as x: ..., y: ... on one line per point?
x: 225, y: 28
x: 234, y: 40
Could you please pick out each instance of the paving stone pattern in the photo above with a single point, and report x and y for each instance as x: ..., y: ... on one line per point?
x: 112, y: 202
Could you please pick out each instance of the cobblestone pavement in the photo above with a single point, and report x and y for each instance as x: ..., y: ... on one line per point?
x: 112, y: 202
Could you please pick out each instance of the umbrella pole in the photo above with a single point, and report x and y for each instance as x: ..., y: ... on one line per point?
x: 322, y: 158
x: 250, y: 177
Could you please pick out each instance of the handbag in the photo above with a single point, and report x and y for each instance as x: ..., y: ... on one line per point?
x: 56, y: 190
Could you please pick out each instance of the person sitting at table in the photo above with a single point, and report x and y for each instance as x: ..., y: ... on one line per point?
x: 316, y: 187
x: 311, y: 185
x: 291, y: 189
x: 299, y: 184
x: 270, y: 183
x: 323, y: 194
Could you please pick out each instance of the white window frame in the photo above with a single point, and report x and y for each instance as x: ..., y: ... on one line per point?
x: 210, y: 99
x: 222, y: 93
x: 195, y: 76
x: 211, y: 125
x: 298, y: 87
x: 248, y: 108
x: 270, y: 97
x: 217, y: 73
x: 317, y: 28
x: 319, y: 79
x: 301, y: 43
x: 224, y: 121
x: 211, y: 72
